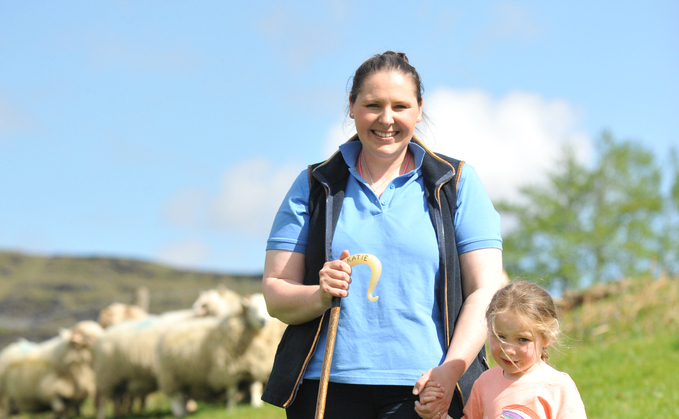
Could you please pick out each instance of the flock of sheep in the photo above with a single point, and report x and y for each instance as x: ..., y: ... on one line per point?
x: 203, y: 353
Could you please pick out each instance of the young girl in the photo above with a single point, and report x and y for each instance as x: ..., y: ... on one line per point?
x: 522, y: 323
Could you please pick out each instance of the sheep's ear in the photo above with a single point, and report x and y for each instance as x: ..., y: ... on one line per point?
x: 65, y: 334
x: 77, y: 338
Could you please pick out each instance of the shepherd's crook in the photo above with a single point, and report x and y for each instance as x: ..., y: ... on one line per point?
x: 376, y: 271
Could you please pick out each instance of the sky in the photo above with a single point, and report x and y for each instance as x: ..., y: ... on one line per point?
x: 170, y: 131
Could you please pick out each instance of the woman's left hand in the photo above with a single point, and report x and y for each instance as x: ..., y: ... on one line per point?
x: 438, y: 408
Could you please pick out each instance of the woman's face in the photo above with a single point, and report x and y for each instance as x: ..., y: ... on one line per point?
x: 386, y: 111
x: 517, y: 351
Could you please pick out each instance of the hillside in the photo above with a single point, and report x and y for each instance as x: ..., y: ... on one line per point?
x: 621, y: 346
x: 39, y: 295
x: 620, y: 339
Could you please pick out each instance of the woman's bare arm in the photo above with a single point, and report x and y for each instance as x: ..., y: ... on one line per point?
x: 288, y: 299
x: 481, y: 272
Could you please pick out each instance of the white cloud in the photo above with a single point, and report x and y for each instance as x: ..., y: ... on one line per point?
x: 510, y: 141
x: 338, y: 134
x: 184, y: 254
x: 250, y: 195
x: 187, y: 208
x: 246, y: 203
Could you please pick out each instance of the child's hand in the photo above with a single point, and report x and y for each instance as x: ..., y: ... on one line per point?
x: 432, y: 391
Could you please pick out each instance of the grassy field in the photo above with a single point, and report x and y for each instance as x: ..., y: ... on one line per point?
x: 634, y: 377
x: 623, y: 351
x: 621, y: 342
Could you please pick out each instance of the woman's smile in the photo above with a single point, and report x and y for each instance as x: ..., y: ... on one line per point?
x: 383, y: 134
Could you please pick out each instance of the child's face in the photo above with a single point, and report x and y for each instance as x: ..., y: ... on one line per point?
x: 517, y: 351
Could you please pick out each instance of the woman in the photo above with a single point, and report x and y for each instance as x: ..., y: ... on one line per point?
x: 430, y: 222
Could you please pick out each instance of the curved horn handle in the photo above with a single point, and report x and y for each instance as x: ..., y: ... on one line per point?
x: 375, y: 270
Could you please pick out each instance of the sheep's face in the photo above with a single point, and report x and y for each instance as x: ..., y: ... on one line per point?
x: 85, y: 334
x: 257, y: 314
x: 219, y: 303
x: 116, y: 313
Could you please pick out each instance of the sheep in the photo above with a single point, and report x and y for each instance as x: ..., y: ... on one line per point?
x: 215, y: 302
x: 126, y: 358
x: 118, y: 312
x: 13, y: 352
x: 219, y: 302
x: 258, y: 359
x: 203, y: 358
x: 53, y: 375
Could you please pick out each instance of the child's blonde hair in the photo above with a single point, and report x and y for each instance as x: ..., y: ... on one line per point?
x: 532, y: 305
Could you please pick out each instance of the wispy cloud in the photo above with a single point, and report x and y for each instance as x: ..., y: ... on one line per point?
x: 298, y: 38
x: 13, y: 120
x: 250, y: 195
x: 510, y: 141
x: 184, y: 254
x: 510, y: 21
x: 246, y: 203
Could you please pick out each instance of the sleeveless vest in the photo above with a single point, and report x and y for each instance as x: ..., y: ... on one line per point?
x: 327, y: 184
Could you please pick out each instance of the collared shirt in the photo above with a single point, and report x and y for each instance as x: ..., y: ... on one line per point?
x: 397, y: 338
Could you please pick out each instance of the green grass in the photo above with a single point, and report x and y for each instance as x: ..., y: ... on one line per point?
x: 241, y: 412
x: 632, y: 377
x: 635, y: 377
x: 622, y: 349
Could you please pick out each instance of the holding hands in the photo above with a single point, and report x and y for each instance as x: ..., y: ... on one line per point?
x: 429, y: 396
x: 435, y: 389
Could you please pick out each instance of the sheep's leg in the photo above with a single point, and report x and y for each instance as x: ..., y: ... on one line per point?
x: 5, y: 408
x: 178, y: 406
x: 100, y: 404
x: 118, y: 404
x: 58, y: 407
x: 231, y: 393
x: 126, y: 403
x: 256, y: 394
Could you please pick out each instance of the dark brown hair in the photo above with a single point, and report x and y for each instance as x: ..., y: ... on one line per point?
x: 388, y: 61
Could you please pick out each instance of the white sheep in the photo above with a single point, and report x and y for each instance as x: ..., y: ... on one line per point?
x: 53, y: 375
x: 219, y: 302
x: 257, y: 361
x: 204, y: 358
x: 115, y: 313
x: 126, y: 356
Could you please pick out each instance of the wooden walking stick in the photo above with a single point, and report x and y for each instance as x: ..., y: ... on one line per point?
x: 375, y: 272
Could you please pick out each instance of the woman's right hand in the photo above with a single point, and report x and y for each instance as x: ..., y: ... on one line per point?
x: 292, y: 302
x: 334, y: 279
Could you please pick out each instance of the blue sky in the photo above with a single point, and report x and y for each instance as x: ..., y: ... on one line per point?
x: 169, y: 131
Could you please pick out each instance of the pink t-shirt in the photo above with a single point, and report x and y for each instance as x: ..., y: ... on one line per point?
x: 545, y: 394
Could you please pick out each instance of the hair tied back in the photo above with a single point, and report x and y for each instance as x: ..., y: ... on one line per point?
x: 400, y: 55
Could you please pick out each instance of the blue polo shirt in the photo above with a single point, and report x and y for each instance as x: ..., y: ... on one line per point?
x: 395, y: 339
